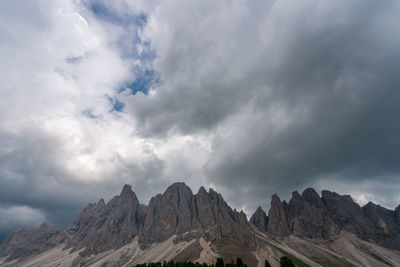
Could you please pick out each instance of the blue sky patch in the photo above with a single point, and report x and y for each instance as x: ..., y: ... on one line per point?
x: 144, y: 81
x: 117, y: 105
x: 89, y: 114
x: 103, y: 10
x: 145, y: 77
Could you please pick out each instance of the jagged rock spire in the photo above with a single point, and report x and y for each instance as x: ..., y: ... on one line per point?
x: 178, y: 211
x: 101, y: 226
x: 278, y: 217
x: 260, y: 219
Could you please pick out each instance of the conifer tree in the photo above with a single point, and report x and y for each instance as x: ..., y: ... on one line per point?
x: 286, y: 262
x: 220, y: 263
x: 239, y: 262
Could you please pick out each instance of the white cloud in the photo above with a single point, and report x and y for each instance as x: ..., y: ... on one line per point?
x: 60, y: 145
x: 248, y: 102
x: 20, y: 216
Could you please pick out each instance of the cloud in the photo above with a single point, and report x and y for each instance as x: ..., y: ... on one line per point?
x: 21, y: 216
x: 18, y: 217
x: 249, y: 97
x: 291, y: 92
x: 61, y: 143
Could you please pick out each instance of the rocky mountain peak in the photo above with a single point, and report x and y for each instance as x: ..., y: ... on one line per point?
x: 202, y: 191
x: 26, y: 242
x: 177, y: 192
x: 213, y: 194
x: 347, y: 213
x: 381, y: 222
x: 275, y: 200
x: 101, y: 203
x: 305, y: 216
x: 397, y: 214
x: 103, y: 226
x: 296, y: 203
x: 178, y: 211
x: 260, y: 220
x: 127, y: 194
x: 179, y: 187
x: 311, y: 196
x: 126, y: 189
x: 296, y: 195
x: 278, y: 217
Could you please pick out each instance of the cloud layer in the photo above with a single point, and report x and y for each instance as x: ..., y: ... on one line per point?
x: 249, y: 97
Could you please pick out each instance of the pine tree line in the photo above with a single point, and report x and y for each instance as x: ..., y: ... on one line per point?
x: 284, y: 262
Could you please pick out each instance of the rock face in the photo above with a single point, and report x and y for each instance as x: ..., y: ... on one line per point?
x: 311, y: 216
x: 178, y: 211
x: 260, y: 220
x: 25, y: 242
x: 100, y: 227
x: 397, y: 215
x: 278, y: 217
x: 169, y: 213
x: 348, y: 214
x: 384, y: 229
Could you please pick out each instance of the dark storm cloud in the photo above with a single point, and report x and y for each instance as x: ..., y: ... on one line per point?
x: 37, y: 187
x: 252, y: 97
x: 296, y: 92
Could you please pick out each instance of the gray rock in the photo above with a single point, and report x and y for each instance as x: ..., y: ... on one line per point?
x: 178, y: 211
x: 278, y: 217
x: 345, y: 212
x: 385, y: 230
x: 397, y: 215
x: 101, y: 227
x: 31, y: 241
x: 309, y: 217
x: 260, y: 220
x: 170, y: 213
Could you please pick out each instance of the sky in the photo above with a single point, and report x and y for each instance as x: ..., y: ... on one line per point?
x: 249, y: 97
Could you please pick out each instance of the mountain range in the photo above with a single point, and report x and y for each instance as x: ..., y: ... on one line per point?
x: 313, y: 230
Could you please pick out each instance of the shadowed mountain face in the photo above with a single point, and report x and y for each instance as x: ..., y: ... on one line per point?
x: 311, y: 216
x: 104, y: 226
x: 29, y: 241
x: 397, y: 214
x: 260, y: 220
x: 100, y: 227
x: 178, y: 211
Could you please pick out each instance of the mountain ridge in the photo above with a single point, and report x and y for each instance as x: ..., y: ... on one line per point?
x: 179, y: 214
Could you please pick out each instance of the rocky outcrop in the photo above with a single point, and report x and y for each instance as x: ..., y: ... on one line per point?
x: 101, y: 226
x: 346, y: 213
x: 304, y: 216
x: 311, y: 216
x: 384, y: 229
x: 169, y: 213
x: 26, y: 242
x: 397, y: 215
x: 278, y: 217
x: 260, y: 220
x: 178, y: 211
